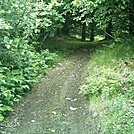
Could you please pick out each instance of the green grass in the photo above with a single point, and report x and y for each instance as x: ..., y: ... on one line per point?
x: 96, y: 38
x: 99, y: 38
x: 112, y: 54
x: 65, y: 44
x: 110, y: 86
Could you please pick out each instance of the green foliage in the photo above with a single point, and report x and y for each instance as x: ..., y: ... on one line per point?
x: 109, y: 83
x: 111, y: 79
x: 119, y: 119
x: 19, y: 73
x: 65, y: 44
x: 100, y: 12
x: 105, y: 82
x: 26, y: 18
x: 20, y: 65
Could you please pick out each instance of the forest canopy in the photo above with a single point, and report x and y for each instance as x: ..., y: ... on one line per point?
x: 37, y: 19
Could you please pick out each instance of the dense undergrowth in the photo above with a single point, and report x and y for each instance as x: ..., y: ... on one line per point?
x: 19, y: 69
x: 20, y: 64
x: 110, y: 86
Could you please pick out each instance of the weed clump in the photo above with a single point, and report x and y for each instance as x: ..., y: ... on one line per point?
x: 110, y: 82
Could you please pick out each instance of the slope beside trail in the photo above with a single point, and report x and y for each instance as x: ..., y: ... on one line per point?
x: 55, y: 106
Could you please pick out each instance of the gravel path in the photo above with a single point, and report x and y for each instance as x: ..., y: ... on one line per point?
x: 55, y: 106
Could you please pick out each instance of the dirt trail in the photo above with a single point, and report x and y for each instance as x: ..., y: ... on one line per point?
x: 55, y: 106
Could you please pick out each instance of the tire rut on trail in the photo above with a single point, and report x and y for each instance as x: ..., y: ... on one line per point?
x: 55, y: 106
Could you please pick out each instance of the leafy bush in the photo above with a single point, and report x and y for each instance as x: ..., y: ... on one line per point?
x: 111, y: 79
x: 19, y: 73
x: 108, y: 83
x: 21, y: 23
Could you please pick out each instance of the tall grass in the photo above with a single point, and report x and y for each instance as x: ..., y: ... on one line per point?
x: 110, y: 86
x: 112, y: 54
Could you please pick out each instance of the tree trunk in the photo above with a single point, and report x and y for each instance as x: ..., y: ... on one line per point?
x: 83, y: 36
x: 92, y: 32
x: 131, y: 18
x: 109, y: 30
x: 59, y: 32
x: 65, y: 29
x: 83, y: 31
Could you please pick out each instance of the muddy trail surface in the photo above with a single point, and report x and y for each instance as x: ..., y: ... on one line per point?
x: 55, y: 106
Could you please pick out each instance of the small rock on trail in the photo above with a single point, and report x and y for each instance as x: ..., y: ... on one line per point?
x: 55, y: 106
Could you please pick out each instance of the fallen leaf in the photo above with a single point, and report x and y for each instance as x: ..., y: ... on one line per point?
x: 32, y: 121
x: 53, y: 112
x: 94, y: 114
x: 73, y: 108
x: 68, y: 98
x: 75, y: 99
x: 53, y: 130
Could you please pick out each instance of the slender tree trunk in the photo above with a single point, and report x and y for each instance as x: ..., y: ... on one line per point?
x: 83, y: 36
x: 109, y: 30
x: 59, y: 32
x: 92, y: 32
x: 65, y: 29
x: 131, y: 18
